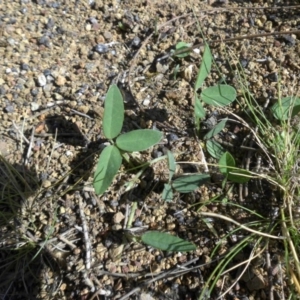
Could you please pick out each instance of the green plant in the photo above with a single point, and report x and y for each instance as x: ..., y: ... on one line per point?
x: 110, y: 159
x: 182, y: 184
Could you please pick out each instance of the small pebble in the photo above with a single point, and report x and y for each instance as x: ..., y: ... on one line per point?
x: 47, y: 72
x: 146, y: 102
x: 9, y: 108
x: 2, y: 90
x: 272, y: 65
x: 93, y: 20
x: 41, y: 79
x: 24, y: 67
x: 44, y: 40
x: 273, y: 77
x: 136, y: 42
x: 243, y: 62
x: 107, y: 35
x: 60, y: 80
x: 290, y: 41
x: 34, y: 106
x: 34, y: 92
x: 172, y: 137
x: 101, y: 48
x: 11, y: 41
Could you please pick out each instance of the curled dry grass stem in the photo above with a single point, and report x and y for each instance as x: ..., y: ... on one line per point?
x: 214, y: 215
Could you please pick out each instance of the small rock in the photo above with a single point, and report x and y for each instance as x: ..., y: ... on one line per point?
x: 84, y: 109
x: 146, y: 102
x: 273, y: 77
x: 93, y: 20
x: 251, y: 65
x: 41, y: 80
x: 47, y: 72
x: 2, y: 90
x: 290, y: 41
x: 47, y: 88
x: 101, y: 48
x: 24, y: 67
x: 107, y: 35
x: 44, y: 40
x: 9, y: 108
x: 34, y: 106
x: 136, y: 42
x: 88, y: 27
x: 118, y: 217
x: 272, y: 65
x: 46, y: 184
x: 60, y: 80
x: 243, y: 62
x: 30, y: 83
x: 34, y: 92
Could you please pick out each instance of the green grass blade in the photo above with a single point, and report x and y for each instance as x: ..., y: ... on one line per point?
x: 172, y: 164
x: 167, y: 193
x: 138, y: 140
x: 108, y: 165
x: 187, y: 184
x: 166, y: 242
x: 218, y: 128
x: 113, y: 112
x: 204, y: 68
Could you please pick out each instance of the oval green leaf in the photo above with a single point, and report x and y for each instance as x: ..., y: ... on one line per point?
x: 227, y: 167
x: 138, y: 140
x: 167, y: 194
x: 204, y: 68
x: 172, y: 164
x: 286, y: 108
x: 215, y: 149
x: 188, y: 183
x: 218, y: 128
x: 181, y: 46
x: 219, y: 95
x: 113, y: 112
x: 108, y: 165
x: 167, y: 242
x: 239, y: 176
x: 226, y: 163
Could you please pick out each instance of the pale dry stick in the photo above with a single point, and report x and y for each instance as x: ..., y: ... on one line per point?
x: 245, y: 124
x: 29, y: 147
x: 242, y: 273
x: 249, y: 155
x: 203, y: 160
x: 286, y: 233
x: 245, y: 37
x: 160, y: 276
x: 269, y: 271
x: 85, y: 231
x: 88, y: 281
x: 281, y: 280
x: 20, y: 132
x: 214, y: 215
x: 52, y: 150
x: 70, y: 244
x: 81, y: 114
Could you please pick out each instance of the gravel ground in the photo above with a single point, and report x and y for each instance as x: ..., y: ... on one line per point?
x: 58, y: 59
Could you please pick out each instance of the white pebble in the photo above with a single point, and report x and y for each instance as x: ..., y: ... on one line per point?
x: 41, y: 80
x: 146, y: 102
x: 34, y: 106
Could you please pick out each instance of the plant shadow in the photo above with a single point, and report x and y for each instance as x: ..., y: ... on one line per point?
x: 22, y: 259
